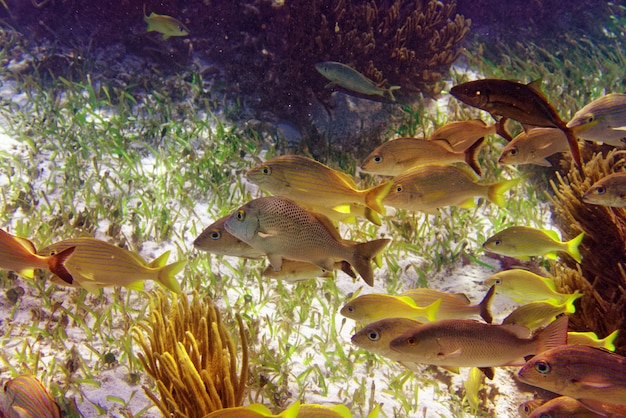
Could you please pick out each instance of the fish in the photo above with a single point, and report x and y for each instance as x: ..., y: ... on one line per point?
x: 562, y: 407
x: 524, y: 286
x: 376, y: 306
x: 26, y: 397
x: 453, y: 305
x: 533, y: 147
x: 293, y: 271
x: 430, y: 187
x: 398, y: 155
x: 376, y: 336
x: 522, y: 242
x: 166, y: 25
x: 96, y: 264
x: 472, y: 386
x: 591, y: 339
x: 344, y: 213
x: 469, y: 343
x: 282, y: 229
x: 256, y: 410
x: 215, y: 239
x: 20, y: 255
x: 527, y: 408
x: 524, y: 103
x: 608, y: 191
x: 536, y: 315
x: 461, y: 135
x: 323, y: 411
x: 602, y: 120
x: 592, y: 375
x: 348, y: 78
x: 305, y: 180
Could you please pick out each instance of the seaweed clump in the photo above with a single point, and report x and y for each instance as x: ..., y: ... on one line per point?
x: 602, y: 274
x: 192, y: 357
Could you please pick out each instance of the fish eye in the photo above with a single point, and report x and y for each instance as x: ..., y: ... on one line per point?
x: 600, y: 190
x: 590, y: 119
x: 373, y: 336
x: 543, y: 367
x: 350, y: 308
x: 513, y: 151
x: 526, y: 409
x: 215, y: 234
x: 411, y: 341
x: 266, y: 170
x: 399, y: 188
x: 497, y: 242
x: 378, y: 159
x: 241, y: 215
x: 498, y: 281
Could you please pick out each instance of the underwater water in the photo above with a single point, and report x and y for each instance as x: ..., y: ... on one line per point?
x: 137, y: 124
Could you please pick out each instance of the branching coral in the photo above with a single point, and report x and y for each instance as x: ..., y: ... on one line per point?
x: 192, y: 357
x: 602, y: 275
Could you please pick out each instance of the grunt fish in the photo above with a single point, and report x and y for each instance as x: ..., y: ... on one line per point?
x: 375, y: 337
x: 376, y: 306
x: 591, y: 375
x: 282, y: 229
x: 608, y: 191
x: 166, y: 25
x: 96, y: 264
x: 453, y: 305
x: 215, y: 239
x: 28, y: 398
x: 591, y: 339
x: 347, y: 77
x: 535, y: 315
x: 523, y: 242
x: 472, y: 386
x: 293, y: 271
x: 461, y: 135
x: 20, y: 255
x: 533, y: 147
x: 524, y: 103
x: 305, y: 180
x: 602, y: 120
x: 468, y: 343
x: 398, y: 155
x: 430, y: 187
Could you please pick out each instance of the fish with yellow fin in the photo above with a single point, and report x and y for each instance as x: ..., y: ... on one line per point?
x: 533, y: 147
x: 26, y: 397
x: 453, y: 305
x: 602, y: 120
x: 377, y: 306
x: 536, y: 315
x: 166, y: 25
x: 348, y: 78
x: 217, y: 240
x: 591, y: 339
x: 608, y: 191
x: 461, y: 135
x: 96, y: 264
x: 472, y: 386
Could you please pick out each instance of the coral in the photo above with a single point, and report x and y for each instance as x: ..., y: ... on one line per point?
x: 192, y: 357
x: 602, y: 274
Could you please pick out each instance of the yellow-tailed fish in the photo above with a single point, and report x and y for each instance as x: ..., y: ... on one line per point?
x: 602, y: 120
x: 591, y: 375
x: 566, y: 407
x: 472, y: 386
x: 293, y: 271
x: 430, y: 187
x: 461, y: 135
x: 608, y: 191
x: 533, y: 147
x: 523, y: 242
x: 166, y: 25
x: 468, y: 343
x: 591, y: 339
x: 524, y: 286
x: 282, y: 229
x: 96, y: 264
x: 215, y: 239
x: 348, y: 78
x: 305, y: 180
x: 398, y: 155
x: 536, y: 315
x: 344, y: 213
x: 375, y: 337
x: 453, y: 305
x: 376, y: 306
x: 26, y: 397
x: 20, y: 255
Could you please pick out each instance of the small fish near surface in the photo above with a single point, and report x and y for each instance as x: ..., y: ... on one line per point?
x: 591, y: 375
x: 20, y: 255
x: 375, y: 337
x: 398, y: 155
x: 26, y: 397
x: 533, y: 147
x: 453, y: 305
x: 428, y: 188
x: 524, y: 103
x: 284, y: 230
x: 523, y: 242
x: 608, y: 191
x: 96, y: 264
x: 602, y: 120
x: 376, y: 306
x: 215, y: 239
x: 350, y: 79
x: 461, y: 135
x: 166, y: 25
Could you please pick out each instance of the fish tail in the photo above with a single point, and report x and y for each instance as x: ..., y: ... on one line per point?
x: 291, y: 412
x: 573, y: 147
x: 553, y: 335
x: 497, y: 190
x: 572, y: 247
x: 372, y: 217
x: 485, y: 305
x: 471, y: 155
x: 569, y: 302
x: 608, y: 342
x: 167, y: 275
x: 374, y: 197
x: 56, y: 264
x: 390, y: 92
x: 363, y: 255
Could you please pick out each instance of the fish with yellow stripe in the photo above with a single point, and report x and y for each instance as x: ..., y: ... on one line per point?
x: 377, y: 306
x: 26, y: 397
x: 461, y: 135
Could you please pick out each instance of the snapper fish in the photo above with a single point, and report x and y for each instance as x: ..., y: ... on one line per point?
x: 453, y: 305
x: 215, y: 239
x: 398, y: 155
x: 20, y: 255
x: 376, y: 306
x: 166, y: 25
x: 348, y: 78
x: 608, y: 191
x: 284, y: 230
x: 26, y: 397
x: 96, y: 264
x: 533, y: 147
x: 523, y: 242
x: 305, y: 180
x: 428, y: 188
x: 524, y: 103
x: 461, y: 135
x: 602, y: 120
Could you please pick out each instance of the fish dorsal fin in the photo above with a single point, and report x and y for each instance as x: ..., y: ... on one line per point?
x: 518, y: 330
x: 407, y: 300
x: 461, y: 297
x: 552, y: 234
x: 346, y: 178
x: 328, y: 224
x: 478, y: 121
x: 160, y: 261
x: 535, y: 85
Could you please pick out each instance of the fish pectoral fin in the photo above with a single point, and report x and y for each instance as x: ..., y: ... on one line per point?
x: 454, y: 354
x: 276, y: 261
x: 619, y: 128
x: 92, y: 288
x: 454, y: 370
x: 138, y: 285
x: 599, y: 383
x: 489, y: 372
x: 330, y: 85
x: 551, y: 256
x: 264, y: 234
